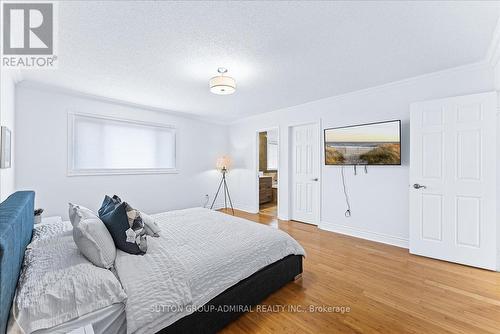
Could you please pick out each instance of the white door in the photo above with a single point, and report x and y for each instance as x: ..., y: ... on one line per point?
x: 453, y: 179
x: 305, y: 195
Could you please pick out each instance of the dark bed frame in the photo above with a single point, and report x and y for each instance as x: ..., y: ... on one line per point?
x: 16, y: 226
x: 249, y: 292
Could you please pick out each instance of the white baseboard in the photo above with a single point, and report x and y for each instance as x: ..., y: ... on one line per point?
x: 363, y: 234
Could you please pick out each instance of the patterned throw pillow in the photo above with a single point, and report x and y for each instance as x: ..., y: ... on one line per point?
x: 137, y: 225
x: 128, y: 233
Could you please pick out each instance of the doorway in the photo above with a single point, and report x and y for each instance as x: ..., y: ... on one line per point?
x: 268, y: 153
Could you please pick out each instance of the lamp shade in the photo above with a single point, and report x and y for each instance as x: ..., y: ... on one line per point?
x: 223, y: 163
x: 222, y: 85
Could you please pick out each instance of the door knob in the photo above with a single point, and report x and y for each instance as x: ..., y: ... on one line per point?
x: 419, y: 186
x: 315, y: 179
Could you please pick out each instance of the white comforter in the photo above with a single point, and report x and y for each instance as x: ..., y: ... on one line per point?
x: 58, y: 284
x: 199, y: 254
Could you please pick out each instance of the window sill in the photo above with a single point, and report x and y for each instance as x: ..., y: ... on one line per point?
x: 142, y: 171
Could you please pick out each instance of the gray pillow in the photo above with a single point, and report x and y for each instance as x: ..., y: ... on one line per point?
x: 92, y: 237
x: 150, y: 225
x: 78, y: 212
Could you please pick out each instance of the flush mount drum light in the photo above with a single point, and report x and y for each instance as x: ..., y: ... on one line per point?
x: 221, y: 84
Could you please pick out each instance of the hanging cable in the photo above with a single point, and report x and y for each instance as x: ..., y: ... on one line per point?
x: 348, y: 211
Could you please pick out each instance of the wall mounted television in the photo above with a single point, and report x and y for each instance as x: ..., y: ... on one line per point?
x: 365, y: 144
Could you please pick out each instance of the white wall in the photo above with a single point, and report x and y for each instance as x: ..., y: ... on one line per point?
x: 41, y: 154
x: 7, y: 107
x: 379, y: 199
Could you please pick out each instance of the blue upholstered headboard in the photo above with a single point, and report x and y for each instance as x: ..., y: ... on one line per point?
x: 16, y: 227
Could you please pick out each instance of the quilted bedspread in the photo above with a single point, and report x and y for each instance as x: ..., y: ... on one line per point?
x: 200, y: 253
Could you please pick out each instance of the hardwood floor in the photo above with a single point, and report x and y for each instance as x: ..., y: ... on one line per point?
x: 387, y: 289
x: 269, y: 209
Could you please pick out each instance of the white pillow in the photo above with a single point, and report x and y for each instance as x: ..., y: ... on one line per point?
x: 92, y: 237
x: 77, y: 212
x: 58, y: 284
x: 150, y: 225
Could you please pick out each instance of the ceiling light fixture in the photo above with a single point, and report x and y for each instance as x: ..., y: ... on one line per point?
x: 221, y: 84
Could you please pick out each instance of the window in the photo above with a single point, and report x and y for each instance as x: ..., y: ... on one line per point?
x: 272, y: 155
x: 100, y: 145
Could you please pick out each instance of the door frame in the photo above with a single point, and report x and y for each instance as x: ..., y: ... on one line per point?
x: 256, y: 169
x: 319, y: 190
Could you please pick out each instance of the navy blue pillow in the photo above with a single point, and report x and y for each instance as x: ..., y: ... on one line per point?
x: 109, y: 204
x: 116, y: 221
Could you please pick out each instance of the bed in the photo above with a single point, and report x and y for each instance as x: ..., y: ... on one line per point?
x: 182, y: 282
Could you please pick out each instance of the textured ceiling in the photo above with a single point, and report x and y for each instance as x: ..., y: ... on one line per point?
x: 161, y: 54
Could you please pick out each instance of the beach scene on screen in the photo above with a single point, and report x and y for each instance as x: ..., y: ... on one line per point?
x: 371, y: 144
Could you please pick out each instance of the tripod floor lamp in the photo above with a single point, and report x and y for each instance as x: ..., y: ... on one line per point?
x: 223, y: 166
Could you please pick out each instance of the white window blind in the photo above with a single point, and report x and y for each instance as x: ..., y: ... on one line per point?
x: 100, y: 145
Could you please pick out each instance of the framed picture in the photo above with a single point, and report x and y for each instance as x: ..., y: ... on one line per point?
x: 5, y: 150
